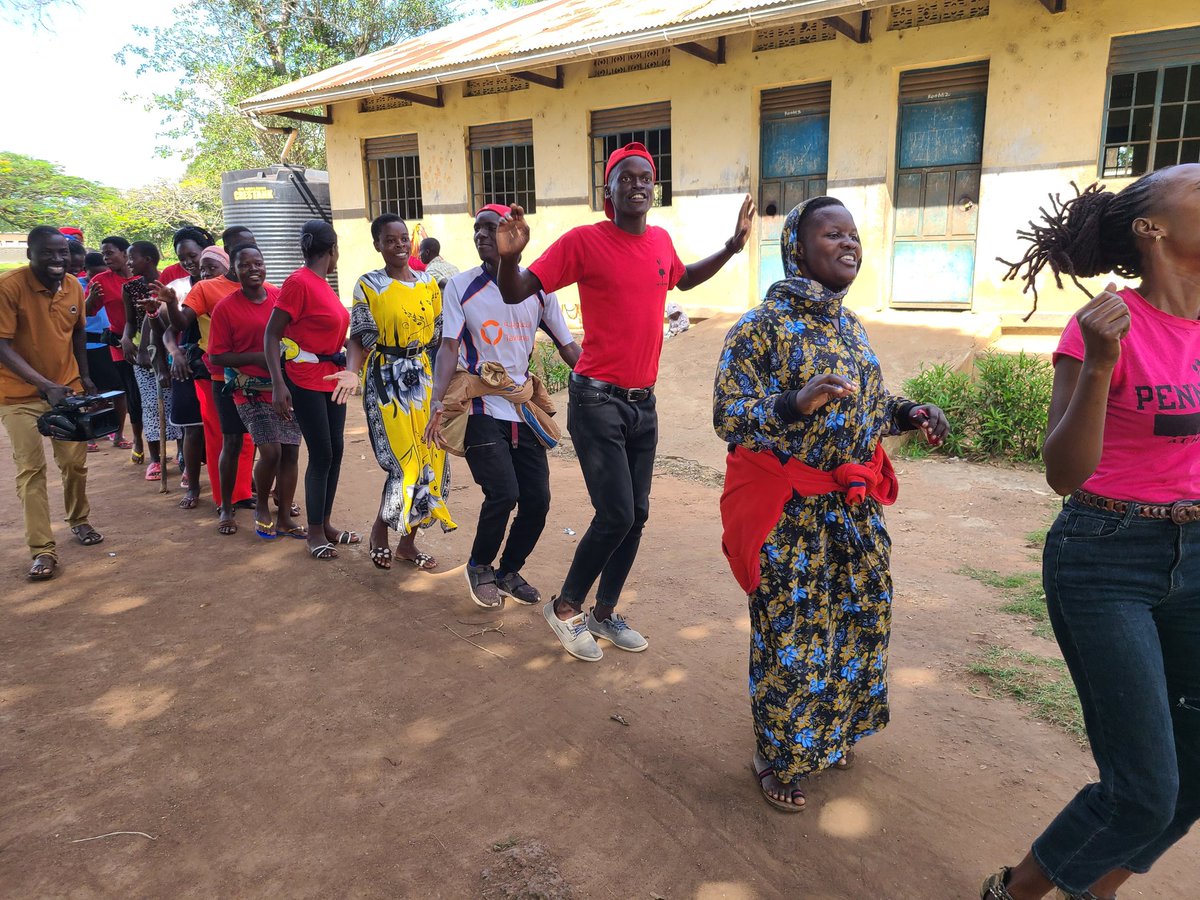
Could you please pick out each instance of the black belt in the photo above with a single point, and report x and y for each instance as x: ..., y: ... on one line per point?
x: 631, y: 395
x: 409, y: 352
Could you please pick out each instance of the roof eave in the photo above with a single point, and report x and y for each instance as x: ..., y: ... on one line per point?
x: 802, y: 10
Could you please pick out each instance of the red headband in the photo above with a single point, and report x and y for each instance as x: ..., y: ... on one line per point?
x: 498, y: 208
x: 634, y: 149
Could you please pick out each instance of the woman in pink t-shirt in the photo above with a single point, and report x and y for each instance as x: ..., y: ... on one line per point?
x: 1121, y: 566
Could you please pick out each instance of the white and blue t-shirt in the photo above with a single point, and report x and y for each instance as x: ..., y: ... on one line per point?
x: 490, y: 330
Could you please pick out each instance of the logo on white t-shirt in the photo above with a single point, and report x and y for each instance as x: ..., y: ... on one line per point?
x: 486, y: 335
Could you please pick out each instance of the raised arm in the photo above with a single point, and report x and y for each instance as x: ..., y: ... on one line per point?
x: 1079, y: 403
x: 512, y: 237
x: 699, y: 272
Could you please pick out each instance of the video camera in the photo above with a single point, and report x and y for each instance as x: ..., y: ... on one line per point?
x: 81, y: 417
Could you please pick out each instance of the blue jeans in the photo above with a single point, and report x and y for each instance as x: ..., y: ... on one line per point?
x: 1124, y: 598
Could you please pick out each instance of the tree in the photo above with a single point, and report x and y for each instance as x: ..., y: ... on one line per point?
x: 228, y: 50
x: 35, y: 11
x: 154, y: 212
x: 36, y: 192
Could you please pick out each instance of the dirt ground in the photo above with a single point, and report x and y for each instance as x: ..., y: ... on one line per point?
x: 282, y: 727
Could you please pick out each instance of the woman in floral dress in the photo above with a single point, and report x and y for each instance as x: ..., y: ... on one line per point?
x: 395, y: 320
x: 800, y: 398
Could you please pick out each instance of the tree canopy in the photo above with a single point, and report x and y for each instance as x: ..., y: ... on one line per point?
x: 228, y: 50
x: 36, y: 192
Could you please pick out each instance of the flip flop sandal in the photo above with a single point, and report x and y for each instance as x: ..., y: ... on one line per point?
x: 265, y: 530
x: 227, y: 528
x: 381, y: 557
x: 349, y: 537
x: 325, y: 551
x: 787, y: 806
x: 153, y: 472
x: 43, y: 571
x: 136, y: 457
x: 93, y: 448
x: 422, y: 561
x: 189, y: 502
x: 299, y: 532
x: 87, y: 535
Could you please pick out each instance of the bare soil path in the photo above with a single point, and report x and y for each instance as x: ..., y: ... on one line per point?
x: 290, y: 728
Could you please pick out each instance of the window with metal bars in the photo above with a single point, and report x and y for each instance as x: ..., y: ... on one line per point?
x: 502, y: 169
x: 612, y: 129
x: 1152, y: 103
x: 393, y: 176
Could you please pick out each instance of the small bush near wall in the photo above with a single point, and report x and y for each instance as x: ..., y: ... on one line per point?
x: 547, y: 365
x: 999, y: 410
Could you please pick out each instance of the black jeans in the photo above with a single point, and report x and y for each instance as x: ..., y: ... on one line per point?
x: 509, y: 464
x: 322, y: 423
x: 615, y: 442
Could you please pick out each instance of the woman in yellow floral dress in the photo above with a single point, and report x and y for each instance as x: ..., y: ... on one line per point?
x: 800, y: 398
x: 395, y: 320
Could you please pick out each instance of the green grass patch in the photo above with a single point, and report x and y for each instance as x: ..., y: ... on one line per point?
x: 1023, y: 596
x: 996, y: 580
x: 1041, y: 684
x: 1038, y: 537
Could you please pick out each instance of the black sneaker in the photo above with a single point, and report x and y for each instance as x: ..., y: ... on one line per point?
x: 481, y: 581
x: 513, y: 586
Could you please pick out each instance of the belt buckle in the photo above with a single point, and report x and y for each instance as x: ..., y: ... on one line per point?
x: 1179, y: 511
x: 636, y: 395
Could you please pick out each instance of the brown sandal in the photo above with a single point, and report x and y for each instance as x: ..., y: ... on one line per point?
x: 788, y: 806
x: 43, y: 568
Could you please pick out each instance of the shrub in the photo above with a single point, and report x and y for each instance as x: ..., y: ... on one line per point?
x: 548, y: 366
x: 997, y: 411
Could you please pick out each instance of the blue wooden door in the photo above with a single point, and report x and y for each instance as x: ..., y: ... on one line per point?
x: 938, y: 165
x: 794, y: 142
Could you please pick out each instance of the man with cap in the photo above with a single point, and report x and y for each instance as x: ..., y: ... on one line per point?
x: 503, y: 450
x: 43, y: 359
x: 624, y: 268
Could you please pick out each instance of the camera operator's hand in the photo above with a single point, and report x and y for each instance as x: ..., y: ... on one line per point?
x: 55, y: 393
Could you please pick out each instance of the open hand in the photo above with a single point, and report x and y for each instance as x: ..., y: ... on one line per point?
x: 741, y: 233
x: 512, y: 234
x: 281, y: 399
x: 433, y: 431
x: 1103, y: 324
x: 162, y: 294
x: 346, y: 385
x: 820, y: 390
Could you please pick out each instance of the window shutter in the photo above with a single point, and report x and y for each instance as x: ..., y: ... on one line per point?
x: 631, y: 118
x: 396, y: 145
x: 1135, y: 52
x: 499, y: 134
x: 800, y: 100
x: 937, y: 84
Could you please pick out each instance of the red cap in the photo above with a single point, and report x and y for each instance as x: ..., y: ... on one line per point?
x: 634, y: 149
x: 498, y: 208
x: 71, y: 232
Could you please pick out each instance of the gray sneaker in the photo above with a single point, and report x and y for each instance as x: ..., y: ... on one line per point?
x: 481, y: 581
x: 514, y: 587
x: 574, y: 635
x: 615, y: 629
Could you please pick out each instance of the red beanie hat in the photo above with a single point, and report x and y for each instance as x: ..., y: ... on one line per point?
x: 634, y: 149
x: 498, y: 208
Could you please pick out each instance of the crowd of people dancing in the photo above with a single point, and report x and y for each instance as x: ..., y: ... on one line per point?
x: 245, y: 372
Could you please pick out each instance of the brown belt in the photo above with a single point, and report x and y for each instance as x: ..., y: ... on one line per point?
x: 1178, y: 512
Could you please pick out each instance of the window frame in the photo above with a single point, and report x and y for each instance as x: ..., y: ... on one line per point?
x: 516, y: 160
x: 639, y: 128
x: 1136, y: 64
x: 405, y: 176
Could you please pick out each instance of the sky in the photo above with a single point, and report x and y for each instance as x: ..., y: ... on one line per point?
x: 83, y: 41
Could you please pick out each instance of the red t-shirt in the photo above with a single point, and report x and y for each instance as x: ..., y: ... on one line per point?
x: 623, y: 282
x: 237, y: 325
x: 319, y: 325
x: 1151, y: 447
x: 114, y: 304
x: 173, y: 272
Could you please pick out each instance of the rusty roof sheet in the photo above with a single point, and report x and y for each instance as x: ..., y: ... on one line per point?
x: 545, y: 33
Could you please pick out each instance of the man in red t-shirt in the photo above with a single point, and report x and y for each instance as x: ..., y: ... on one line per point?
x: 624, y: 269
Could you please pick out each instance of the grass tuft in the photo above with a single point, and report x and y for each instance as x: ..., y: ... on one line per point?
x: 1039, y: 683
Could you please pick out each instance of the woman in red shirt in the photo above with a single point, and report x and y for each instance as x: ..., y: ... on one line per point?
x: 104, y: 290
x: 316, y: 384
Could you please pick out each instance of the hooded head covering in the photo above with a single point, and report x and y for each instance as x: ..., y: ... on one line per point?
x: 634, y: 149
x: 796, y: 287
x: 216, y: 253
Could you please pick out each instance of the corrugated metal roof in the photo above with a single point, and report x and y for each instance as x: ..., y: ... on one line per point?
x: 544, y: 34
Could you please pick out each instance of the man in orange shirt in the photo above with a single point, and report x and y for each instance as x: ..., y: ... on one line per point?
x: 43, y: 359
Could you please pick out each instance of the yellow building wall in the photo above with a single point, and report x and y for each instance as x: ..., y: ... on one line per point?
x: 1042, y: 130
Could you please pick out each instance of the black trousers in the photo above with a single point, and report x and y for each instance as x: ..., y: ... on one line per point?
x: 509, y: 464
x: 322, y: 424
x: 615, y: 441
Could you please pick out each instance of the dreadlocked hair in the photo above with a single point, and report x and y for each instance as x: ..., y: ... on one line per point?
x: 1086, y: 235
